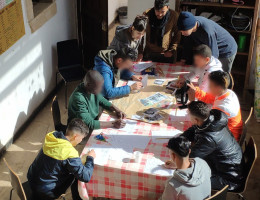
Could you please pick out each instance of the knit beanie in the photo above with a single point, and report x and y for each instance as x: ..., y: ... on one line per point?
x: 186, y: 21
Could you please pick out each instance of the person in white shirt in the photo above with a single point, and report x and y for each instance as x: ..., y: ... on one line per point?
x: 204, y: 64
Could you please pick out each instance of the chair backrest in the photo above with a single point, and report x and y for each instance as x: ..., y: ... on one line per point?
x: 55, y: 110
x: 16, y: 183
x: 250, y: 156
x: 250, y: 115
x: 243, y: 136
x: 232, y: 83
x: 69, y: 53
x: 244, y: 133
x: 220, y: 195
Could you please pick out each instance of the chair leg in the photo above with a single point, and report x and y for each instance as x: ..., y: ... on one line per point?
x: 66, y: 95
x: 11, y: 192
x: 56, y: 82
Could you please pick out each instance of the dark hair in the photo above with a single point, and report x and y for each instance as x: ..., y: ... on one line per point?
x: 220, y: 78
x: 199, y: 109
x: 92, y: 77
x: 79, y: 126
x: 140, y: 23
x: 202, y: 50
x: 180, y: 145
x: 126, y: 53
x: 159, y: 4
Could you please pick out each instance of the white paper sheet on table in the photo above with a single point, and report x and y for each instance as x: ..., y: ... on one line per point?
x: 128, y: 141
x: 142, y: 66
x: 181, y: 116
x: 155, y: 166
x: 130, y: 125
x: 129, y: 83
x: 157, y: 135
x: 103, y: 152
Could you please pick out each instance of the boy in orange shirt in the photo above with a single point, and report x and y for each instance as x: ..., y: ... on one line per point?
x: 221, y: 98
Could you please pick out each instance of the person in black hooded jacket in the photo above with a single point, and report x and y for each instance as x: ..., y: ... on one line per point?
x: 214, y: 143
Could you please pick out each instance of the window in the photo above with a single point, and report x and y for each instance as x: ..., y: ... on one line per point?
x: 39, y: 12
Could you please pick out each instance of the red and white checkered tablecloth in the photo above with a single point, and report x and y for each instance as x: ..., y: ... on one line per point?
x: 127, y: 180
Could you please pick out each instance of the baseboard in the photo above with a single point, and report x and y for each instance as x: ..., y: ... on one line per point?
x: 30, y: 119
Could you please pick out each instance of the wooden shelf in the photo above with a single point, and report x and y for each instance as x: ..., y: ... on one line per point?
x: 242, y: 53
x: 234, y: 31
x: 212, y: 4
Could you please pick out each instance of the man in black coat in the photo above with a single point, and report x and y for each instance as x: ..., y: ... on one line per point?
x: 214, y: 143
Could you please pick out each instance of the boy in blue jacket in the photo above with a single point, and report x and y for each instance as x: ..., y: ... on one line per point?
x: 113, y: 66
x: 58, y: 163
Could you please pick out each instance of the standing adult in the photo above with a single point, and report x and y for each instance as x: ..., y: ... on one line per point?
x: 162, y: 35
x: 200, y: 30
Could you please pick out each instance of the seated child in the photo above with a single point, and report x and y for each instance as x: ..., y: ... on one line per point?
x: 205, y: 63
x: 221, y: 98
x: 86, y: 100
x: 214, y: 143
x: 191, y: 179
x: 58, y: 162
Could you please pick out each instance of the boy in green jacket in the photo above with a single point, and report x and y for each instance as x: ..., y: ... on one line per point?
x: 86, y: 100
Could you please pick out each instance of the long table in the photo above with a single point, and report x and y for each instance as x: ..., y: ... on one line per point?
x: 126, y: 179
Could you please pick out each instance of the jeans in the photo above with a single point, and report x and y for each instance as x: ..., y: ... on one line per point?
x: 227, y: 63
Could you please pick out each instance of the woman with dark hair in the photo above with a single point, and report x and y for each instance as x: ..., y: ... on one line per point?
x: 130, y: 35
x: 191, y: 179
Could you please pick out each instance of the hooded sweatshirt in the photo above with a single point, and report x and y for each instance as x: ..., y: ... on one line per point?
x: 203, y: 74
x: 123, y: 39
x: 56, y: 166
x: 104, y: 64
x: 189, y: 184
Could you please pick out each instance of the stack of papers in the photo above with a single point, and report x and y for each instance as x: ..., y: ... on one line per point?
x: 158, y: 136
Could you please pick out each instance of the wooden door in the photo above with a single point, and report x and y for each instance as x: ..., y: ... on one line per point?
x: 92, y: 28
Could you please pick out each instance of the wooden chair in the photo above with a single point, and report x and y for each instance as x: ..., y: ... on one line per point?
x: 23, y: 190
x: 55, y: 109
x: 219, y: 195
x: 232, y: 83
x: 250, y: 156
x: 244, y: 133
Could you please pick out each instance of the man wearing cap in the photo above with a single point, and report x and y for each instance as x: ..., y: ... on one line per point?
x: 200, y: 30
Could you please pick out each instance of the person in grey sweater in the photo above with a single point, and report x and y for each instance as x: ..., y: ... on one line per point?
x: 130, y: 36
x: 191, y: 179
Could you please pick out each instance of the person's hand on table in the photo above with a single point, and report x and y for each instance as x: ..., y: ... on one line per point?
x: 191, y: 92
x: 136, y: 86
x: 139, y: 58
x: 120, y: 114
x: 119, y: 123
x: 168, y: 54
x: 181, y: 62
x: 169, y: 165
x: 92, y: 153
x: 137, y: 78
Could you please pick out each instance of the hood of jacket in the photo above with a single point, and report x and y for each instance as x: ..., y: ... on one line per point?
x: 107, y: 56
x: 216, y: 122
x: 120, y: 33
x: 58, y: 147
x: 195, y: 175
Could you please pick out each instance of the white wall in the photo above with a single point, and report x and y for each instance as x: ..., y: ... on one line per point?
x: 27, y: 69
x: 113, y: 5
x: 137, y: 7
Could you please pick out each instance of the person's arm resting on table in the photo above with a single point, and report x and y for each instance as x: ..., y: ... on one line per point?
x: 110, y: 91
x: 81, y: 172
